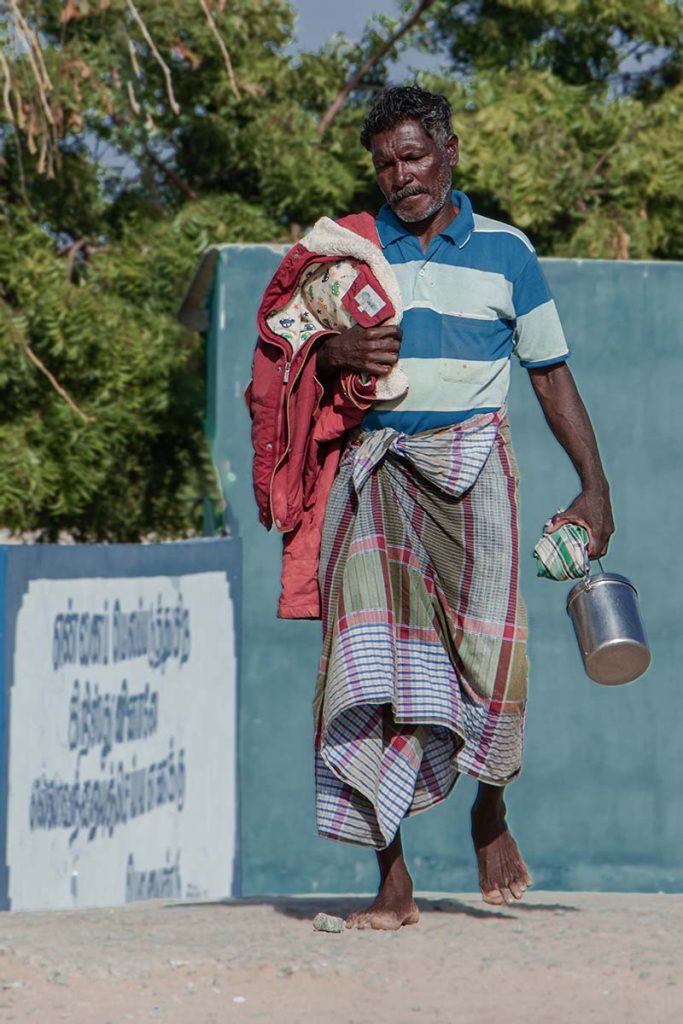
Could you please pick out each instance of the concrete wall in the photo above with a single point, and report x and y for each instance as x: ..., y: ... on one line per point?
x: 597, y: 805
x: 118, y: 723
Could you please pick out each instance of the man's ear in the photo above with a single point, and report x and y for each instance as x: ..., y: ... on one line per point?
x: 453, y: 149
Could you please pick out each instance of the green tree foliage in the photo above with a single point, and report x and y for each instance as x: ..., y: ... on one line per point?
x: 101, y: 393
x: 133, y: 134
x: 571, y: 116
x: 154, y: 131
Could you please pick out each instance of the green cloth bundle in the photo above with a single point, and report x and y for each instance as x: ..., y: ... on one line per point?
x: 563, y: 554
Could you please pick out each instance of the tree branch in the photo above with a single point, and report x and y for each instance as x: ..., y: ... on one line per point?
x: 40, y: 365
x: 367, y: 65
x: 600, y: 162
x: 43, y: 84
x: 597, y: 166
x: 132, y: 99
x: 55, y: 384
x: 157, y: 56
x: 134, y: 59
x: 71, y: 252
x: 223, y: 48
x: 172, y: 175
x: 7, y: 89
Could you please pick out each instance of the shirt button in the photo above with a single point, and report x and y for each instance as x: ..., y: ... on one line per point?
x: 269, y: 446
x: 278, y: 523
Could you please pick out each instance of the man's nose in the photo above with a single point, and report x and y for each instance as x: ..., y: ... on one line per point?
x: 402, y: 175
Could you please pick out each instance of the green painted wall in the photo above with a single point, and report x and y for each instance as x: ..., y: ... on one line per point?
x: 598, y: 804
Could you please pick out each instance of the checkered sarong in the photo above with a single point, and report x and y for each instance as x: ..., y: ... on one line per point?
x: 423, y: 671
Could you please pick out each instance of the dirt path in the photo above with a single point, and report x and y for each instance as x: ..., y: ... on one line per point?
x: 555, y: 959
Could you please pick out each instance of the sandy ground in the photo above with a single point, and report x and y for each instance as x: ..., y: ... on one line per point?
x: 554, y: 959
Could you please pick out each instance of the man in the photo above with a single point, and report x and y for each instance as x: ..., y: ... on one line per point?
x: 423, y: 671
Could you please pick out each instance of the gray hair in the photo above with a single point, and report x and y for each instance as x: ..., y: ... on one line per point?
x: 401, y: 103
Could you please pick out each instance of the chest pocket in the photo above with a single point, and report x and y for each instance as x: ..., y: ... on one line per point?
x: 467, y: 341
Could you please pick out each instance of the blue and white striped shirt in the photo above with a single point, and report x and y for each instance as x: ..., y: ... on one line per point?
x: 476, y: 296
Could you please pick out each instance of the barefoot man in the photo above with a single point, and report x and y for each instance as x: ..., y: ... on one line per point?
x: 423, y: 673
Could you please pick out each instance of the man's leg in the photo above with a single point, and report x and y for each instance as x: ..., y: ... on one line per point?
x: 394, y: 905
x: 503, y: 875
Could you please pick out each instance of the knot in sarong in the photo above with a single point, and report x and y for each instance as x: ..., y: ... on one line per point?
x: 451, y: 458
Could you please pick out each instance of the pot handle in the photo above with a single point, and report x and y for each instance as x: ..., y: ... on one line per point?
x: 587, y: 575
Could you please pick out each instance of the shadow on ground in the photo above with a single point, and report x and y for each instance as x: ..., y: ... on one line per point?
x: 305, y: 908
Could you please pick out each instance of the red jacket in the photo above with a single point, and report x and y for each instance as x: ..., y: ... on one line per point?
x: 299, y: 427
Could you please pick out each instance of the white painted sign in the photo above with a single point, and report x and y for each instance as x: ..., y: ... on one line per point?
x: 122, y: 737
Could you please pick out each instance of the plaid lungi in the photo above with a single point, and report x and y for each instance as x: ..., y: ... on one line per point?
x: 423, y: 673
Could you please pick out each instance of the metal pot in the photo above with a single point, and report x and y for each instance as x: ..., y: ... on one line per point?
x: 609, y: 629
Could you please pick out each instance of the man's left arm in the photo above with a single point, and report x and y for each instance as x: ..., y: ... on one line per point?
x: 568, y: 419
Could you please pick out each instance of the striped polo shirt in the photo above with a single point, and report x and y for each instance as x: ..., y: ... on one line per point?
x: 476, y: 296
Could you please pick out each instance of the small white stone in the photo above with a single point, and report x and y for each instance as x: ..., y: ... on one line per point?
x: 327, y: 923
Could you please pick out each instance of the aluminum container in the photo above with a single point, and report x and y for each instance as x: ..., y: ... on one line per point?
x: 609, y: 629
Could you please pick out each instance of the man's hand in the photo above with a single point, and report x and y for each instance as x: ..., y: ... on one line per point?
x: 567, y: 418
x: 371, y: 350
x: 593, y: 510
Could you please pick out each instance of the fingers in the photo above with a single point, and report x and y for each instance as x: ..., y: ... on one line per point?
x: 381, y: 347
x: 563, y: 519
x: 384, y: 331
x: 380, y: 355
x: 598, y: 550
x: 598, y: 540
x: 377, y: 369
x: 384, y: 359
x: 366, y: 350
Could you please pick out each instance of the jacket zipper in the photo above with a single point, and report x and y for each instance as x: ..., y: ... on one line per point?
x: 285, y: 380
x: 286, y: 451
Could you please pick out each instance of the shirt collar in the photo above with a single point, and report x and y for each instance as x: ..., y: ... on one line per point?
x: 390, y: 229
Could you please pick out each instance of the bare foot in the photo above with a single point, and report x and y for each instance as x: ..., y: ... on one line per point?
x: 394, y: 905
x: 389, y: 912
x: 503, y: 875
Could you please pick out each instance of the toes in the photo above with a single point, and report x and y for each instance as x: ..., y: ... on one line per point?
x: 518, y: 889
x: 503, y: 875
x: 356, y: 920
x: 385, y: 922
x: 503, y: 895
x: 493, y: 897
x: 413, y: 917
x: 379, y: 921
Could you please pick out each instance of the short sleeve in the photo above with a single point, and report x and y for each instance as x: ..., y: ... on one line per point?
x: 539, y: 338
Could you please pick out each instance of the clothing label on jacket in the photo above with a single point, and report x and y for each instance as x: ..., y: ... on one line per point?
x: 368, y: 301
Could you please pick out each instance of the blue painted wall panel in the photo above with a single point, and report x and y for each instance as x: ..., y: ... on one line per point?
x: 596, y: 805
x: 4, y: 749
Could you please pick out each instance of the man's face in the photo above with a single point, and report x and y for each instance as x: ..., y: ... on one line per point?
x: 413, y: 172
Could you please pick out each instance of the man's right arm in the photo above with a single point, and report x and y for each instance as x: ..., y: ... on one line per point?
x: 372, y: 350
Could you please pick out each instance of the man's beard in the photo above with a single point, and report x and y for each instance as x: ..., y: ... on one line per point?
x: 440, y: 192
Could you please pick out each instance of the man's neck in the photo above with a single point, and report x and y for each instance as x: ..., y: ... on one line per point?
x: 425, y: 230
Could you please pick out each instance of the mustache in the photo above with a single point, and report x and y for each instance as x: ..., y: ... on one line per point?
x: 409, y: 190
